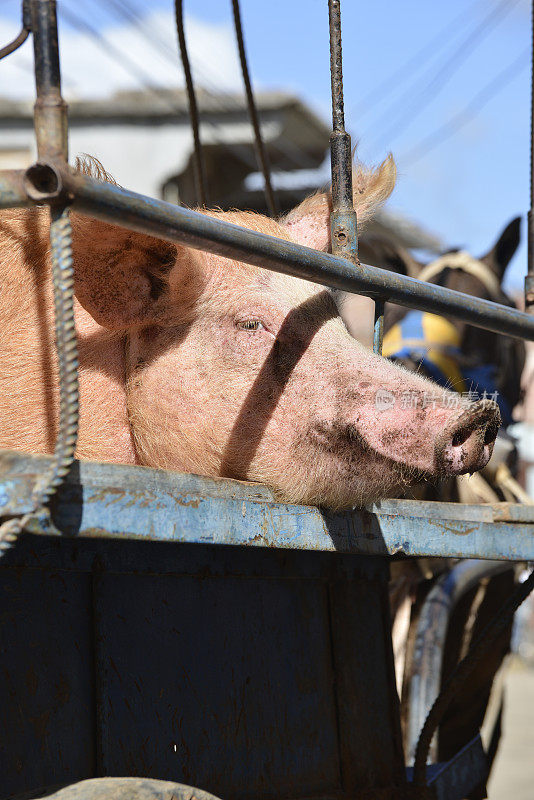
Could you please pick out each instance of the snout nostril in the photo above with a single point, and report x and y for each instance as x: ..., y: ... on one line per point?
x: 460, y: 436
x: 490, y: 434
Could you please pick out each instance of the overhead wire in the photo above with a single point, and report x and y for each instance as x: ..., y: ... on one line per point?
x: 115, y: 54
x: 413, y: 65
x: 408, y: 107
x: 130, y: 13
x: 481, y: 99
x: 143, y: 78
x: 132, y: 16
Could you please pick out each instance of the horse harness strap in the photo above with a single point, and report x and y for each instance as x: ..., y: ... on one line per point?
x: 465, y: 262
x: 431, y: 341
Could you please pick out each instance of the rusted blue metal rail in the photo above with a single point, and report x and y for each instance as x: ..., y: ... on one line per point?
x: 139, y: 502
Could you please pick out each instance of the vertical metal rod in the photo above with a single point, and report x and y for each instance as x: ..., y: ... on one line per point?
x: 378, y: 331
x: 343, y: 221
x: 201, y: 182
x: 50, y: 117
x: 261, y: 152
x: 529, y: 280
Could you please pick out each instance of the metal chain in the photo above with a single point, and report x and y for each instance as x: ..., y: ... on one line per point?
x: 63, y: 284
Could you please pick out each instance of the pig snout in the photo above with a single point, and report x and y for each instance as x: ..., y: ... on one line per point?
x: 467, y: 445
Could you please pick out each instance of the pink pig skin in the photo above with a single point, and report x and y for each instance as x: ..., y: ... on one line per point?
x: 199, y: 363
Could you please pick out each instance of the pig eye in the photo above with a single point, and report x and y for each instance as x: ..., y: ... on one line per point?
x: 251, y: 325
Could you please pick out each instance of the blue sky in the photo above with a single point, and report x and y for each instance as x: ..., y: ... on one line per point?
x: 466, y: 188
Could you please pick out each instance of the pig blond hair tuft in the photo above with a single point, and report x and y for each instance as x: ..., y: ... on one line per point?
x: 93, y: 168
x: 372, y: 187
x: 309, y: 222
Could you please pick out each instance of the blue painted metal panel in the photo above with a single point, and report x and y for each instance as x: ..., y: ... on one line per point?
x: 226, y: 684
x: 265, y: 668
x: 138, y: 502
x: 46, y: 686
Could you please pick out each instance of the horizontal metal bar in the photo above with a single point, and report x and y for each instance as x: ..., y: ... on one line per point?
x: 110, y: 500
x: 167, y: 221
x: 12, y: 191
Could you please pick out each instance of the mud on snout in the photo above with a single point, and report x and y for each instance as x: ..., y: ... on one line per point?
x: 466, y: 445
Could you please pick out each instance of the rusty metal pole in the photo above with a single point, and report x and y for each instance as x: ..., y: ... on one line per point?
x: 343, y: 219
x: 529, y: 279
x: 50, y: 118
x: 343, y: 222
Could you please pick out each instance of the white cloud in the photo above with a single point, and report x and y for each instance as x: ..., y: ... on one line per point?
x: 87, y: 71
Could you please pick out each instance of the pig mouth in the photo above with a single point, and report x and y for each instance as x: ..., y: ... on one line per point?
x: 371, y: 474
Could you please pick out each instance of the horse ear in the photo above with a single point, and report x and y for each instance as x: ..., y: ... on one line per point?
x: 126, y: 279
x: 504, y: 248
x: 309, y: 222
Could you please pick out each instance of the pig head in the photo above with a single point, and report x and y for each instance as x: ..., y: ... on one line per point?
x: 198, y: 363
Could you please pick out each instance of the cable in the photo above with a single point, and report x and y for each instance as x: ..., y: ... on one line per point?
x: 481, y: 99
x: 461, y: 672
x: 131, y: 14
x: 253, y: 114
x: 116, y: 55
x: 409, y: 111
x: 386, y: 87
x: 201, y: 182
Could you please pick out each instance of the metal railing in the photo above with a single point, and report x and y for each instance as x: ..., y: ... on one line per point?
x: 50, y: 180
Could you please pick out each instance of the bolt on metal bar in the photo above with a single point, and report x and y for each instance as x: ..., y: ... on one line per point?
x: 176, y: 224
x: 261, y: 152
x: 343, y: 221
x: 201, y: 181
x: 529, y: 279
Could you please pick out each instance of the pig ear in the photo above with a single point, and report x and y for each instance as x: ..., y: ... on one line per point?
x: 126, y: 279
x: 309, y: 222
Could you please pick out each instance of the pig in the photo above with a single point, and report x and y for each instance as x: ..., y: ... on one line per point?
x: 194, y: 362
